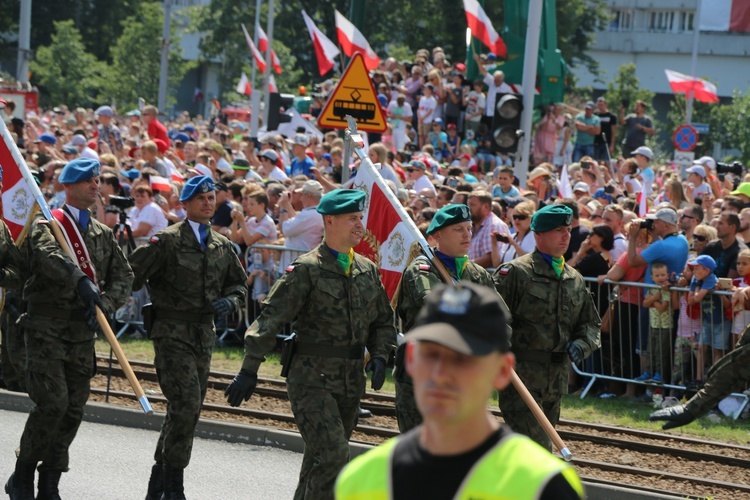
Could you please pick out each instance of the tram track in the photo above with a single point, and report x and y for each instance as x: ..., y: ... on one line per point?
x: 627, y: 455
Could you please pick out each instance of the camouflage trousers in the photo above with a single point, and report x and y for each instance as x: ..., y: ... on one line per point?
x: 182, y: 370
x: 407, y: 412
x: 58, y: 375
x: 731, y: 373
x: 13, y: 354
x: 519, y: 417
x: 325, y: 421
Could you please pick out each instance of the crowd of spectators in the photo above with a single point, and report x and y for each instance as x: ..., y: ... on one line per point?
x: 436, y: 151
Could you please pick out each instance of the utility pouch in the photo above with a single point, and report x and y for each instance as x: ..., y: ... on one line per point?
x: 288, y: 346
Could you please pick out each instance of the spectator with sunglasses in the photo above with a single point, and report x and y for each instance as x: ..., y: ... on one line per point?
x: 690, y: 218
x: 701, y: 236
x: 522, y: 241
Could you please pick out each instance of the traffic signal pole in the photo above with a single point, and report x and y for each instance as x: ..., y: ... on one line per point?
x: 255, y: 96
x: 269, y: 62
x: 531, y: 57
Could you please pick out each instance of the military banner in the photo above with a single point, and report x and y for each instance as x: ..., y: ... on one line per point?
x: 18, y: 204
x: 387, y: 238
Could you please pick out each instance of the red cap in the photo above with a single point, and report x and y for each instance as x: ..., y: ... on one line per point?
x: 310, y: 154
x: 451, y: 126
x: 460, y: 67
x: 466, y: 156
x: 93, y: 145
x: 161, y: 145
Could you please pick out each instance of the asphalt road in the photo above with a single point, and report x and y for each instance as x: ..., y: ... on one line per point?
x: 110, y: 462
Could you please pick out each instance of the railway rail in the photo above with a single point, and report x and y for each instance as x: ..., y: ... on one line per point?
x: 717, y: 469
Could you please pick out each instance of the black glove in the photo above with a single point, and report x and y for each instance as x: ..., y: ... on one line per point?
x: 12, y: 302
x: 223, y: 306
x: 89, y: 294
x: 575, y: 352
x: 377, y: 367
x: 675, y: 416
x: 242, y: 387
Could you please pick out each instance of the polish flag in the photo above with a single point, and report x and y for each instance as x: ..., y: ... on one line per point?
x: 18, y: 203
x: 197, y: 95
x: 387, y: 238
x: 325, y: 49
x: 244, y: 86
x: 159, y: 183
x: 272, y: 84
x: 566, y: 190
x: 642, y: 199
x: 258, y: 58
x: 352, y: 40
x: 702, y: 90
x: 725, y: 15
x: 263, y: 46
x: 481, y: 28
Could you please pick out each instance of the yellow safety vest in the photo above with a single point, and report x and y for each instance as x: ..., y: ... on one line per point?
x: 516, y: 468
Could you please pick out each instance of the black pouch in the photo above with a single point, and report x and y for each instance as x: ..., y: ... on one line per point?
x: 288, y: 346
x: 148, y: 318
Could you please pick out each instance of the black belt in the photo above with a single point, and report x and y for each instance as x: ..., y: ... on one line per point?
x: 183, y: 316
x: 57, y: 313
x: 541, y: 356
x: 331, y: 351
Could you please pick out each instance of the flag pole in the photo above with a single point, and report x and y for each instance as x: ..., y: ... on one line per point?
x: 100, y: 316
x: 694, y: 61
x: 355, y: 139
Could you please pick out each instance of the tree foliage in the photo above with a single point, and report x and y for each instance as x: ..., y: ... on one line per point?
x: 66, y: 73
x: 625, y: 88
x: 136, y: 59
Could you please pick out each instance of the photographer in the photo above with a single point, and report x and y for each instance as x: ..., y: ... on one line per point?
x: 671, y: 249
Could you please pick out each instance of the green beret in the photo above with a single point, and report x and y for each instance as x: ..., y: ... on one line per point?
x: 551, y: 217
x: 449, y: 215
x: 342, y: 201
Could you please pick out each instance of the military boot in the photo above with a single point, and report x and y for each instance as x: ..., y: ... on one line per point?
x: 173, y: 488
x: 156, y: 482
x: 48, y: 483
x: 20, y: 486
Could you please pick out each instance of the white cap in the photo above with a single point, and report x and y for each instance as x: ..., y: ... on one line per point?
x: 203, y: 170
x: 697, y: 169
x: 582, y: 186
x: 645, y: 151
x: 706, y: 161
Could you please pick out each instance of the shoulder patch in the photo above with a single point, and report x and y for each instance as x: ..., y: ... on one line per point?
x: 503, y: 271
x: 290, y: 268
x: 424, y: 267
x: 43, y: 221
x: 154, y: 239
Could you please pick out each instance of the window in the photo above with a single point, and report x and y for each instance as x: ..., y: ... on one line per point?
x: 622, y: 20
x: 686, y: 21
x: 661, y: 21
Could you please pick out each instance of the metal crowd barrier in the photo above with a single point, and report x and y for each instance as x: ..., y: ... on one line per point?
x: 681, y: 352
x: 274, y: 259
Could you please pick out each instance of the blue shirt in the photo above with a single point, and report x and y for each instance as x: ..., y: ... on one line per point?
x: 672, y: 251
x: 711, y: 306
x: 497, y: 192
x: 301, y: 167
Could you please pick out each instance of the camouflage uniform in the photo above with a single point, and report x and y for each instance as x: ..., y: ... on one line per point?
x: 183, y: 280
x: 548, y: 312
x: 418, y: 279
x: 11, y: 261
x: 59, y: 345
x: 338, y: 315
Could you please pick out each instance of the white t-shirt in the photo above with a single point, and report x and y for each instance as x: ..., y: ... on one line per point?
x: 423, y: 182
x: 401, y: 111
x: 632, y: 184
x: 277, y: 175
x: 621, y: 247
x: 699, y: 191
x: 150, y: 214
x: 489, y: 109
x: 427, y: 104
x: 476, y: 102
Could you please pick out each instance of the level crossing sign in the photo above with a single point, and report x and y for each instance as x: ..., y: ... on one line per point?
x: 355, y: 96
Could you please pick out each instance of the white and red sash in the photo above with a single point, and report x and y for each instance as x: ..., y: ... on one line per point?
x: 73, y: 236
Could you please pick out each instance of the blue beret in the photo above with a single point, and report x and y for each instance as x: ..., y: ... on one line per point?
x: 131, y: 174
x: 551, y: 217
x: 182, y: 136
x: 448, y: 216
x: 104, y: 111
x: 342, y: 201
x: 48, y: 138
x: 80, y: 169
x: 197, y: 185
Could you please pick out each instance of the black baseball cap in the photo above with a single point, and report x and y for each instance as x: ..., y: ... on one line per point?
x: 467, y: 318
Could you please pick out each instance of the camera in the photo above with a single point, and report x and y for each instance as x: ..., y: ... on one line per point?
x: 502, y: 238
x: 647, y: 224
x: 736, y: 168
x: 586, y: 165
x: 122, y: 202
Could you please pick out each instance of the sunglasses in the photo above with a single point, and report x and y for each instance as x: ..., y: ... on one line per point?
x: 520, y: 217
x: 683, y: 216
x: 700, y: 238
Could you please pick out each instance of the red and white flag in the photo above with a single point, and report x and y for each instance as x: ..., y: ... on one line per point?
x: 325, y: 49
x: 244, y: 86
x: 724, y: 15
x: 387, y: 238
x: 18, y: 203
x: 702, y: 90
x: 352, y: 40
x: 197, y: 95
x: 481, y: 27
x: 263, y: 46
x: 159, y: 183
x: 272, y: 84
x: 253, y: 49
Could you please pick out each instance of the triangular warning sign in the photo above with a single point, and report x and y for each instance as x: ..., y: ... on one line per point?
x: 354, y: 96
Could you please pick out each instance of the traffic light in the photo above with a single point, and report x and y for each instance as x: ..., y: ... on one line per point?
x: 276, y: 102
x: 506, y: 122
